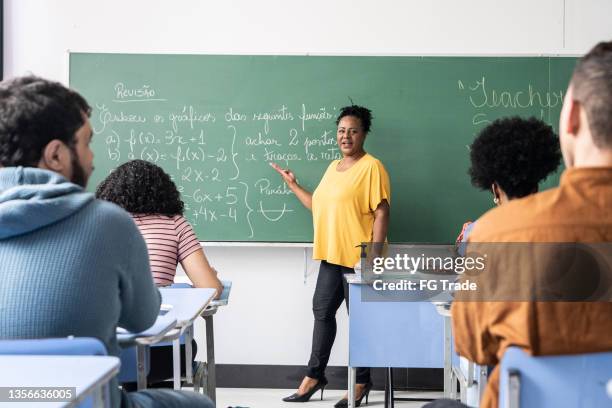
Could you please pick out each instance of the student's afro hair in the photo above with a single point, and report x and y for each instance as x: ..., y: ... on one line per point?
x: 516, y: 154
x: 359, y: 112
x: 141, y: 187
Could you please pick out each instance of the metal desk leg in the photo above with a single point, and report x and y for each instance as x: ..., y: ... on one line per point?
x: 106, y: 395
x: 482, y: 381
x: 352, y: 378
x: 386, y: 405
x: 391, y: 394
x: 189, y: 354
x: 448, y: 371
x: 453, y: 390
x: 141, y: 375
x: 176, y: 362
x: 211, y: 381
x: 98, y: 397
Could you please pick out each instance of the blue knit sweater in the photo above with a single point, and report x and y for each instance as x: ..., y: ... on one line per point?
x: 69, y: 264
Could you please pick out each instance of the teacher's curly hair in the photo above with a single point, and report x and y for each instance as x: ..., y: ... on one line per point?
x: 141, y: 187
x: 515, y: 153
x: 359, y: 112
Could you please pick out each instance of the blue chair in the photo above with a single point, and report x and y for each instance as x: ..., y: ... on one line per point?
x: 129, y: 365
x: 581, y: 380
x: 67, y: 346
x: 472, y: 378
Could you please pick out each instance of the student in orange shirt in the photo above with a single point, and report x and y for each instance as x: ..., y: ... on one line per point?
x: 577, y: 211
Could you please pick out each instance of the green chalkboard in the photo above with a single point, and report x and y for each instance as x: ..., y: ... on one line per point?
x: 214, y: 122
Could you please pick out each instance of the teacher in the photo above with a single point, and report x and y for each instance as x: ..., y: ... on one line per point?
x: 349, y: 206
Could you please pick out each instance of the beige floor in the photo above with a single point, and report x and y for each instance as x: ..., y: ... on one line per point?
x: 271, y: 398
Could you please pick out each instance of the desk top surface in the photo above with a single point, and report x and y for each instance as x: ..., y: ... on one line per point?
x: 83, y: 372
x: 187, y: 304
x: 153, y: 334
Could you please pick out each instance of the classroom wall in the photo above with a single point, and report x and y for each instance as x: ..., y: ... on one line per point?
x: 269, y: 319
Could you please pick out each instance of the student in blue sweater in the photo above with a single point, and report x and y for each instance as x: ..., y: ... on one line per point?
x: 70, y: 264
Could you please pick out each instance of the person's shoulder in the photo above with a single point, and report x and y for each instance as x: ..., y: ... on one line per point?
x: 368, y: 158
x: 181, y: 224
x: 180, y: 220
x: 105, y: 213
x: 372, y: 161
x: 516, y: 217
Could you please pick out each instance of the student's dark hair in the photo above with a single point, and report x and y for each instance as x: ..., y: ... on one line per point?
x: 33, y: 112
x: 592, y: 87
x: 141, y: 187
x: 361, y: 113
x: 516, y: 154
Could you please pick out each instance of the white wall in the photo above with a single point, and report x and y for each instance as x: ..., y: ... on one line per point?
x: 269, y: 319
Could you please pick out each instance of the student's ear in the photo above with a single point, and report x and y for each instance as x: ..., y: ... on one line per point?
x: 496, y: 193
x: 570, y: 114
x: 573, y: 117
x: 55, y: 157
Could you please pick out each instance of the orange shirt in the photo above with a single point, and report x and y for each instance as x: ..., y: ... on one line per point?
x: 579, y: 210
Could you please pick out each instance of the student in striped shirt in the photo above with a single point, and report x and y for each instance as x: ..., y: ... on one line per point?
x: 151, y: 197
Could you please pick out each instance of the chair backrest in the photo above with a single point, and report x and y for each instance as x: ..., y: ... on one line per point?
x: 579, y: 380
x: 67, y: 346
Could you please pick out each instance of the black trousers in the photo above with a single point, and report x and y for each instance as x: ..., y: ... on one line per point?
x: 329, y: 293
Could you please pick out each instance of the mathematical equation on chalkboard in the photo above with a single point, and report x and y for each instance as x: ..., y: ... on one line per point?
x: 210, y: 154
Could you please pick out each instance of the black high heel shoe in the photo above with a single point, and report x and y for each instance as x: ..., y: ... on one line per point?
x: 295, y: 397
x: 343, y: 403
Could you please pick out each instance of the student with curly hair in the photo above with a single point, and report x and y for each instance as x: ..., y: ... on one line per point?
x: 151, y: 197
x: 146, y: 191
x: 510, y: 157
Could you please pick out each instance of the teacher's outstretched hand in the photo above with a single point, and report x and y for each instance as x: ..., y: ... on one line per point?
x: 302, y: 194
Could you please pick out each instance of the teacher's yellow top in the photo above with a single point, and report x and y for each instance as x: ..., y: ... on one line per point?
x: 343, y: 207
